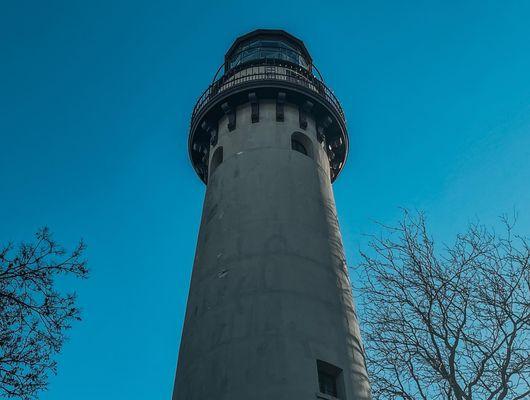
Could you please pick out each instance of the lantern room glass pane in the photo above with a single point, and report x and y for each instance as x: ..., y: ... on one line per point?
x: 267, y: 50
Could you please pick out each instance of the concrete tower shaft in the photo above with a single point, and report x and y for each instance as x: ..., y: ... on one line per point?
x: 270, y: 313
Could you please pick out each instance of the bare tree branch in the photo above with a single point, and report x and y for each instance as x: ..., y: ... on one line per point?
x: 448, y: 323
x: 34, y: 316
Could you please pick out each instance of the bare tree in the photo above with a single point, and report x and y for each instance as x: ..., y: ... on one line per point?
x: 452, y: 324
x: 34, y: 315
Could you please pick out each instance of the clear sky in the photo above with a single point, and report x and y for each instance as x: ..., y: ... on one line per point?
x: 95, y: 100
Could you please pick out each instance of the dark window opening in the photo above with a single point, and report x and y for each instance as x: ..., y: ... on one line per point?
x: 327, y: 384
x: 329, y: 380
x: 299, y: 147
x: 302, y: 144
x: 217, y: 159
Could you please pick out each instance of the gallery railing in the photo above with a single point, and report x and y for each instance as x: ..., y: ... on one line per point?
x: 282, y: 72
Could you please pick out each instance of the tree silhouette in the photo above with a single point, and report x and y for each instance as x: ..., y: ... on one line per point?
x: 453, y: 324
x: 34, y: 315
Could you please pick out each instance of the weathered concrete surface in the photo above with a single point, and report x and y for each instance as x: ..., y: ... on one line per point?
x: 270, y: 291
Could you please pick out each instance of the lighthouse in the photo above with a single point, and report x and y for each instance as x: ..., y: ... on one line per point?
x: 270, y: 313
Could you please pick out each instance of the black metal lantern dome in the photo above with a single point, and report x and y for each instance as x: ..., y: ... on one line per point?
x: 268, y: 64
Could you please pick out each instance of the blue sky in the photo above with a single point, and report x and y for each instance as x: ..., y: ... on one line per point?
x: 95, y: 100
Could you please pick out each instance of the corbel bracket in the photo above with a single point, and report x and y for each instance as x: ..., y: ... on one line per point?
x: 211, y: 130
x: 335, y: 144
x: 230, y: 113
x: 280, y: 103
x: 304, y: 110
x: 254, y: 105
x: 322, y: 127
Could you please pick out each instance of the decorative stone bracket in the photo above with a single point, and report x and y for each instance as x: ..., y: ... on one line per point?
x: 230, y: 113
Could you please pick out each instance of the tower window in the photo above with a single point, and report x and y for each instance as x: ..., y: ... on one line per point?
x: 327, y: 383
x: 217, y: 159
x: 329, y: 379
x: 297, y: 146
x: 302, y: 144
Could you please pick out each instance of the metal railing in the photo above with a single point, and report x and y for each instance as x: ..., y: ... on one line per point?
x: 266, y: 72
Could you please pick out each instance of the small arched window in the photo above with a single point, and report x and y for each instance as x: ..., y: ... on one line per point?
x: 217, y: 159
x: 302, y: 144
x: 298, y: 146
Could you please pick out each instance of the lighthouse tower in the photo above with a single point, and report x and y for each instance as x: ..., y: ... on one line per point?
x: 270, y: 314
